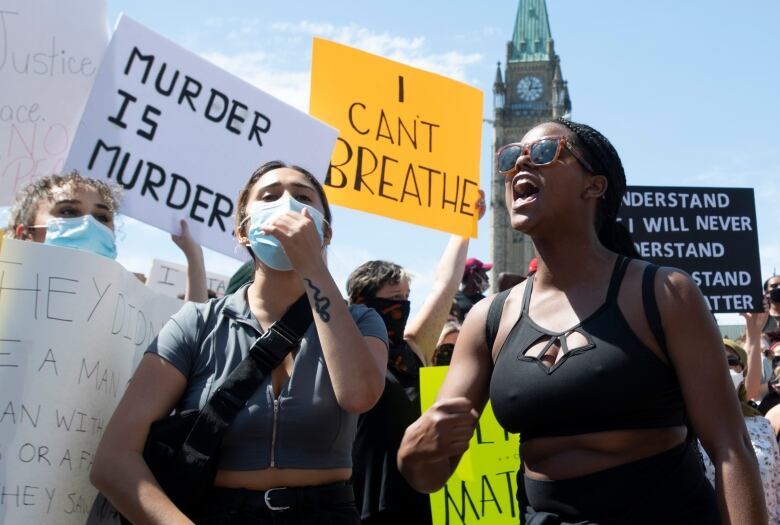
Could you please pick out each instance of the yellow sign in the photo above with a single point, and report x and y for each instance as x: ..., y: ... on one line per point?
x: 409, y: 140
x: 483, y: 487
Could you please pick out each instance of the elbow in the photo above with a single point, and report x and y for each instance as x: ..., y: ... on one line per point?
x: 98, y: 474
x: 362, y: 399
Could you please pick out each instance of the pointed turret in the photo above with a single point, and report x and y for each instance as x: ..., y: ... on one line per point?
x: 531, y: 39
x: 499, y: 89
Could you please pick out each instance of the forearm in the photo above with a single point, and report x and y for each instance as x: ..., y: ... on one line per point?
x: 424, y: 476
x: 131, y: 487
x: 738, y: 487
x: 196, y: 289
x: 356, y: 376
x: 424, y: 329
x: 754, y: 365
x: 449, y: 272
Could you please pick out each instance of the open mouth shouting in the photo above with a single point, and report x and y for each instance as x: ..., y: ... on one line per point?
x: 524, y: 191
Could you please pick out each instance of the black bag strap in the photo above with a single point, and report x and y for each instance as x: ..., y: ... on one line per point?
x: 651, y: 305
x: 266, y: 353
x: 494, y: 317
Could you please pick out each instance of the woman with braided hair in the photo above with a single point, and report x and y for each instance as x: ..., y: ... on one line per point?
x: 606, y: 365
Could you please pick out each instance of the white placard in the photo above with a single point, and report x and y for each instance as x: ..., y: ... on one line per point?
x: 182, y: 136
x: 49, y: 54
x: 72, y: 327
x: 170, y: 279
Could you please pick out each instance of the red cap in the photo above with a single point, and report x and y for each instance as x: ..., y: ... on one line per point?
x: 474, y: 264
x: 533, y: 265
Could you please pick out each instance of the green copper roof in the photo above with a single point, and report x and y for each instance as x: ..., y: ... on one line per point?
x: 532, y: 32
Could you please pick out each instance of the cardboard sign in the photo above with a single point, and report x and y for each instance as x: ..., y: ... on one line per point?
x: 73, y: 325
x: 181, y: 136
x: 708, y: 232
x: 170, y: 279
x: 409, y: 140
x: 49, y: 54
x: 483, y: 487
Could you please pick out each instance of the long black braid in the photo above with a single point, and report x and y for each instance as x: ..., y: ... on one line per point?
x: 602, y: 156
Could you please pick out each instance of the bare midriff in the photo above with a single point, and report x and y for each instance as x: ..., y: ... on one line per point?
x: 280, y: 477
x: 563, y: 457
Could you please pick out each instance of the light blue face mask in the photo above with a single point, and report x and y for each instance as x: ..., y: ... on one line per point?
x: 266, y: 247
x: 82, y: 233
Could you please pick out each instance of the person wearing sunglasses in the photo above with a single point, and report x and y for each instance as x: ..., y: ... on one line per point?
x: 605, y: 365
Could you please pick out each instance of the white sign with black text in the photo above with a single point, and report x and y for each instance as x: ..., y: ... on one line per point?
x: 170, y: 279
x: 182, y: 136
x: 73, y: 326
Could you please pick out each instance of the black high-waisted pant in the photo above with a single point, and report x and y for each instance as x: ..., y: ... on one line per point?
x: 668, y: 488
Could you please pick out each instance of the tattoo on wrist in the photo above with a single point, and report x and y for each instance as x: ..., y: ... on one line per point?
x: 321, y: 304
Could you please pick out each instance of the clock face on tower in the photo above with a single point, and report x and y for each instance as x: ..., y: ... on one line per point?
x: 530, y: 88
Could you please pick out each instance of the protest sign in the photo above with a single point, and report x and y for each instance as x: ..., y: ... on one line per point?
x: 49, y: 54
x: 483, y: 487
x: 170, y: 279
x: 708, y: 232
x: 73, y: 325
x: 182, y: 136
x: 409, y: 140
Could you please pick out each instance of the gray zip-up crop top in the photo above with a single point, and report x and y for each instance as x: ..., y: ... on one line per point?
x: 304, y: 427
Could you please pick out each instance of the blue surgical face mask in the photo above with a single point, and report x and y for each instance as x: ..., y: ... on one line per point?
x: 267, y: 247
x: 82, y: 233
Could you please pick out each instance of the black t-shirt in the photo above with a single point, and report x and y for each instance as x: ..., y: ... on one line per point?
x: 378, y: 484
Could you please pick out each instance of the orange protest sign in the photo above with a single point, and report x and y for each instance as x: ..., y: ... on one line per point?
x: 409, y: 140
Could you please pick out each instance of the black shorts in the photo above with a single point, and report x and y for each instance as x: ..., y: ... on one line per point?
x: 668, y: 488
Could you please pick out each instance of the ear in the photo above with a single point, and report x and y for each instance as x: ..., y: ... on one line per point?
x: 240, y: 237
x: 595, y: 187
x: 20, y: 232
x: 327, y: 233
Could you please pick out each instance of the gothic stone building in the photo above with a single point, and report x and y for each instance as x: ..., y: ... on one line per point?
x: 530, y: 90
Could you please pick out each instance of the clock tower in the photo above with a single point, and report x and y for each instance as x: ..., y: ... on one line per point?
x: 530, y: 90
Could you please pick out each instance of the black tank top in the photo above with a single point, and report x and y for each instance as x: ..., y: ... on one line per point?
x: 612, y: 382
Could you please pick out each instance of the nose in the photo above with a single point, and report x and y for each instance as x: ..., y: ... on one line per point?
x: 523, y: 161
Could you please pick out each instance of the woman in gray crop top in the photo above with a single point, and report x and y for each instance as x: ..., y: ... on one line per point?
x: 605, y: 365
x: 287, y: 456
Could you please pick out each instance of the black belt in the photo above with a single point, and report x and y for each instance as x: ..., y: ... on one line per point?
x: 281, y: 498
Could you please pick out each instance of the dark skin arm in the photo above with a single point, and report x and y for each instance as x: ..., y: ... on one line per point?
x: 433, y: 445
x: 696, y: 352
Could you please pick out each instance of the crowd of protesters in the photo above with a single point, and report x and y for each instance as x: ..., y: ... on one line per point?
x: 632, y: 408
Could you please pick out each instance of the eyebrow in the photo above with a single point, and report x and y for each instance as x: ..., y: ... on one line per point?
x: 296, y: 184
x: 76, y: 201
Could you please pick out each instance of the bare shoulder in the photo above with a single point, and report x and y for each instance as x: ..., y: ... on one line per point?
x: 676, y: 291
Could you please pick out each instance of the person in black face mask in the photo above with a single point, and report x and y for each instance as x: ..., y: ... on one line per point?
x: 772, y: 303
x: 382, y: 495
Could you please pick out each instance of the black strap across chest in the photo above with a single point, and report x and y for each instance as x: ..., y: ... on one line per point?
x: 648, y: 300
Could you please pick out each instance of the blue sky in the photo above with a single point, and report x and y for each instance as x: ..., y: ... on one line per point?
x: 687, y: 92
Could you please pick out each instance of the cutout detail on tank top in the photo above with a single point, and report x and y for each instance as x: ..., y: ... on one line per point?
x: 618, y: 271
x: 566, y: 352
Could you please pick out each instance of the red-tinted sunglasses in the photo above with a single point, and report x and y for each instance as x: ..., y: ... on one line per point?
x: 541, y: 152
